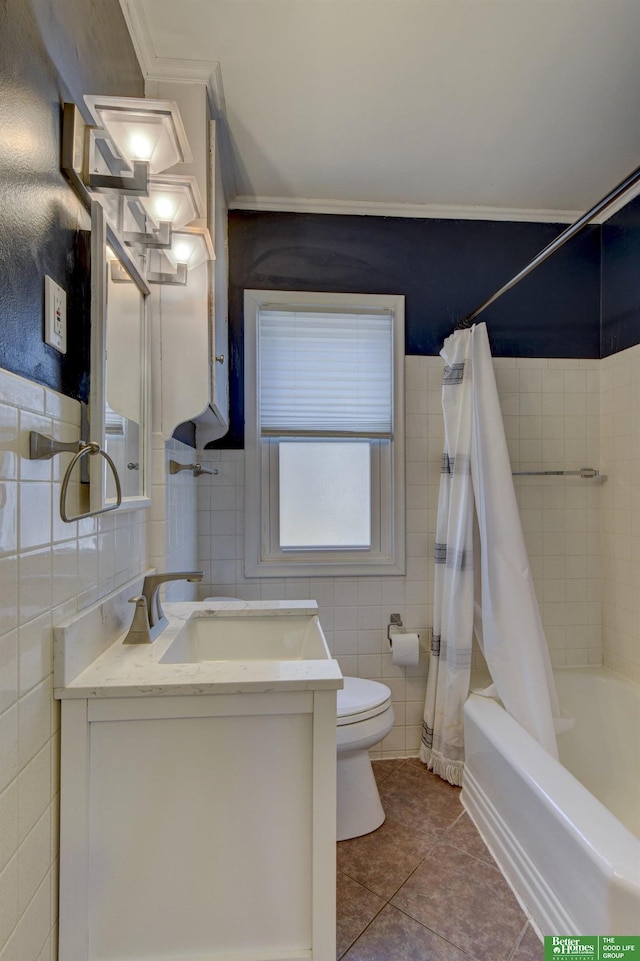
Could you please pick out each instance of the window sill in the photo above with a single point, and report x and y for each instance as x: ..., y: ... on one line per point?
x: 299, y: 568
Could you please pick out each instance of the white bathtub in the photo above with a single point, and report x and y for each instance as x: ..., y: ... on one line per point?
x: 572, y: 863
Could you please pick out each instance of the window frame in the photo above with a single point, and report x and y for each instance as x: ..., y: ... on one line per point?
x: 263, y: 557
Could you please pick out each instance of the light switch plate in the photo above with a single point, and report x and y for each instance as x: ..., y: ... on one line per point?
x: 55, y: 315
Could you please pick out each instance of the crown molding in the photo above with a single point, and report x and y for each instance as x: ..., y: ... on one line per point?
x: 423, y: 211
x: 419, y: 211
x: 207, y: 72
x: 622, y: 201
x: 140, y: 34
x: 154, y: 67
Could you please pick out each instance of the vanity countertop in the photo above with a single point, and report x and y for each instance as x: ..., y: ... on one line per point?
x: 135, y: 670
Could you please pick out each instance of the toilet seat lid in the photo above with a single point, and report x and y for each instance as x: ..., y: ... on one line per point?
x: 360, y: 696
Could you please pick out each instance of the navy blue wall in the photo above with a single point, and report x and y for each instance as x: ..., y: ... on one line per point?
x: 621, y: 280
x: 50, y: 51
x: 444, y: 268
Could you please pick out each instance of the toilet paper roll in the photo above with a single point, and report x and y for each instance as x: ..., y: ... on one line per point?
x: 405, y: 649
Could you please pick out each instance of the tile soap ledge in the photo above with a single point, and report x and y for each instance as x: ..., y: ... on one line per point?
x: 81, y: 639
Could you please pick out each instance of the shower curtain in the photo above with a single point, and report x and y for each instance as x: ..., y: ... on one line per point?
x: 442, y: 747
x: 482, y: 583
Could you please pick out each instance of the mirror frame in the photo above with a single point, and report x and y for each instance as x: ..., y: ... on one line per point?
x: 103, y: 236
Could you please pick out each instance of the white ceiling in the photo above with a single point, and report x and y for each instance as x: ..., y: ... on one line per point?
x: 416, y: 106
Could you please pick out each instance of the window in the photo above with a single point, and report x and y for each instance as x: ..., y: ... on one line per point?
x: 324, y: 424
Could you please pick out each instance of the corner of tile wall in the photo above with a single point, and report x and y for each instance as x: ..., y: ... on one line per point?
x: 620, y: 516
x: 173, y: 532
x: 49, y: 571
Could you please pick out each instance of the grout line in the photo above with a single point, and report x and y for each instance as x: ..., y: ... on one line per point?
x: 437, y: 933
x: 388, y: 902
x: 452, y: 825
x: 490, y: 864
x: 368, y: 925
x: 519, y: 940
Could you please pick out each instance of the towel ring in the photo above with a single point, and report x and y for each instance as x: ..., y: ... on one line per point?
x: 91, y: 448
x: 44, y: 448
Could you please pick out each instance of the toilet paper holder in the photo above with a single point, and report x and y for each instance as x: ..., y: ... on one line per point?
x: 404, y: 646
x: 394, y: 626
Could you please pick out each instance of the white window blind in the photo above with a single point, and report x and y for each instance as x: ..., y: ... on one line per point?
x: 325, y: 373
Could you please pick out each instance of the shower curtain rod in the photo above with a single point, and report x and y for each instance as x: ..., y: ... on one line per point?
x: 561, y: 239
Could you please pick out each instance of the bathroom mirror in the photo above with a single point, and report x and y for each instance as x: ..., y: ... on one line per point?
x: 119, y: 405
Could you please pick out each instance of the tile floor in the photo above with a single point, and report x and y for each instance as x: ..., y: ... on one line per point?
x: 423, y: 887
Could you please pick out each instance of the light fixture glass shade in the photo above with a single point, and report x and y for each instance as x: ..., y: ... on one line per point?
x: 147, y: 130
x: 176, y: 199
x: 191, y: 247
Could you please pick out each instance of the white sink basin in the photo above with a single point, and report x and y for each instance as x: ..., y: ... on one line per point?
x: 233, y: 637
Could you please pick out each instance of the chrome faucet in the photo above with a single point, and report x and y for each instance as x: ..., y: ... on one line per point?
x: 149, y: 618
x: 151, y: 586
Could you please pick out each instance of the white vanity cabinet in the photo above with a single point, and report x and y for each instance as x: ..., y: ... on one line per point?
x: 197, y: 825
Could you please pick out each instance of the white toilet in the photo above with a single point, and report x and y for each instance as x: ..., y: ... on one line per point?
x: 365, y: 716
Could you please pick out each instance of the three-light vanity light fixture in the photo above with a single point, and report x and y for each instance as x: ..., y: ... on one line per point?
x: 120, y: 157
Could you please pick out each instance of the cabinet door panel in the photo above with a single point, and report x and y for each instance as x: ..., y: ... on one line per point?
x: 201, y: 836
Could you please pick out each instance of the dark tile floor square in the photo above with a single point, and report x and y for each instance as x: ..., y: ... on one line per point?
x: 424, y: 887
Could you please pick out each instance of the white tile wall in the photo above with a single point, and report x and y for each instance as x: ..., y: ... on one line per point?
x: 48, y: 571
x: 173, y: 527
x: 354, y: 610
x: 620, y: 426
x: 551, y: 413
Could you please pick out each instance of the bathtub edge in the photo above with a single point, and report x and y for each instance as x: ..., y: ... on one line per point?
x: 555, y: 843
x: 534, y: 895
